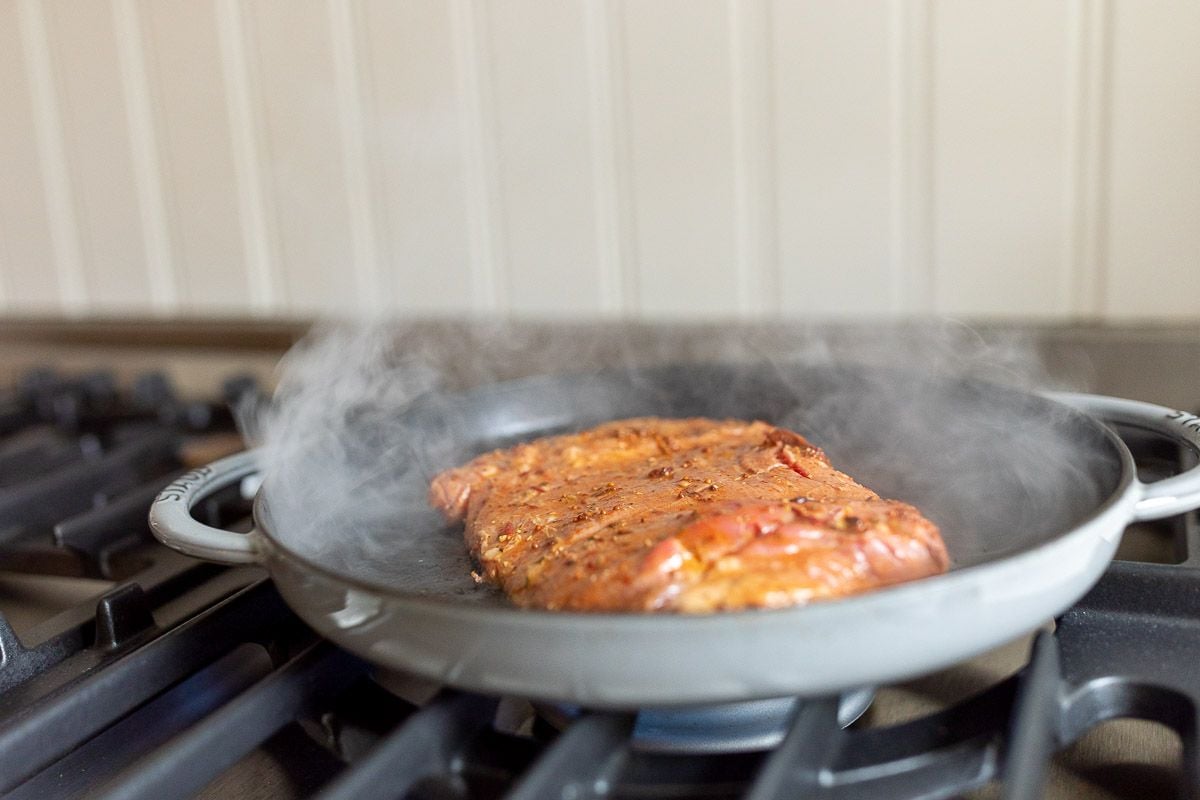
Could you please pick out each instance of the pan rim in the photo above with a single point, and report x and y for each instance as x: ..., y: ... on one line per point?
x: 275, y: 548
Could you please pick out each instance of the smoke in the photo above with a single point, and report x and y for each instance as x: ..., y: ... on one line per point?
x: 365, y: 415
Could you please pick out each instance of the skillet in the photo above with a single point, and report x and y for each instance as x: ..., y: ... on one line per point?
x: 1031, y: 492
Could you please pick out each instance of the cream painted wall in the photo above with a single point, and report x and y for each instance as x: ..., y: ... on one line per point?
x: 656, y: 158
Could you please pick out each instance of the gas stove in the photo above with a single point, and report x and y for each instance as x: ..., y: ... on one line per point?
x: 129, y: 670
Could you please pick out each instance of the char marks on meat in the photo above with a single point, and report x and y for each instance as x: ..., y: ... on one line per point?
x: 688, y: 515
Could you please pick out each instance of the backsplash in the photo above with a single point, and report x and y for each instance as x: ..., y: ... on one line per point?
x: 690, y: 159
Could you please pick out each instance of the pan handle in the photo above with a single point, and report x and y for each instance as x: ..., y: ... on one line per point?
x: 172, y: 522
x: 1168, y: 496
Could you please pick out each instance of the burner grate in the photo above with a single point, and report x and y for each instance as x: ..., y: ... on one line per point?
x: 1008, y: 732
x: 186, y: 678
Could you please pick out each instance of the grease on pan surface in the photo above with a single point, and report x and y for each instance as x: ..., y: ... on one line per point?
x: 686, y: 515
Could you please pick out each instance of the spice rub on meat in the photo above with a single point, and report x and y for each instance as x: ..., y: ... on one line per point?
x: 688, y: 515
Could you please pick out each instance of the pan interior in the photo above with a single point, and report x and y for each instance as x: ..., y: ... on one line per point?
x: 999, y: 470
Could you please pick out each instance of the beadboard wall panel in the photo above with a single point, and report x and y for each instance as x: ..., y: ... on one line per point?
x: 683, y: 158
x: 541, y: 99
x: 1001, y: 158
x: 28, y: 277
x: 293, y: 86
x: 835, y: 170
x: 195, y: 151
x: 416, y: 139
x: 98, y: 158
x: 1152, y: 265
x: 680, y: 143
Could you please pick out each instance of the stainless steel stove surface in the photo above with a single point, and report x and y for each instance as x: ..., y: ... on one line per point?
x: 127, y: 670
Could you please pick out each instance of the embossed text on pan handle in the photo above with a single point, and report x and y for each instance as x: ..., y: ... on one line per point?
x: 171, y: 519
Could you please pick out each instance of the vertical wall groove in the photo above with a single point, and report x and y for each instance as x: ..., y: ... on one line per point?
x: 6, y: 263
x: 753, y: 155
x: 912, y: 189
x: 623, y: 149
x: 63, y: 224
x: 259, y: 253
x: 1088, y: 64
x: 364, y: 241
x: 5, y: 268
x: 605, y: 180
x: 161, y: 269
x: 479, y: 159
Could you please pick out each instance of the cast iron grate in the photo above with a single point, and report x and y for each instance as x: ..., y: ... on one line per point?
x: 187, y: 678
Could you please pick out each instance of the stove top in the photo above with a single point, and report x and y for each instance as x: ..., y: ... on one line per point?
x: 128, y: 670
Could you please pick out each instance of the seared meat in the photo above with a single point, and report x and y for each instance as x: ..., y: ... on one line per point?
x: 685, y: 515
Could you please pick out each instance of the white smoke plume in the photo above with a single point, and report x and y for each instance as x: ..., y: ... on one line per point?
x: 365, y: 415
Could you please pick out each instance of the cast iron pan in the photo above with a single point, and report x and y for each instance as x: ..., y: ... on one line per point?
x: 1031, y: 493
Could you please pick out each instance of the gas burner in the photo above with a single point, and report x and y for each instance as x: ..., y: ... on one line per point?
x: 743, y: 727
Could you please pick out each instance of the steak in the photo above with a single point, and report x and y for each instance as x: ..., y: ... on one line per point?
x: 686, y: 515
